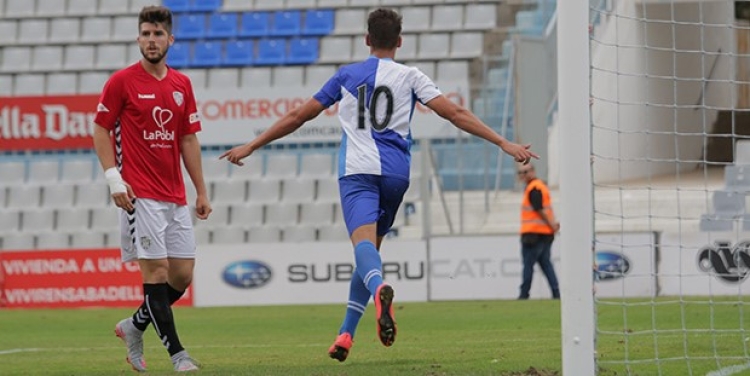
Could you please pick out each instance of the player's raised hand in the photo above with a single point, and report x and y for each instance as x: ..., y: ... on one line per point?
x: 237, y: 154
x: 202, y: 207
x: 521, y: 153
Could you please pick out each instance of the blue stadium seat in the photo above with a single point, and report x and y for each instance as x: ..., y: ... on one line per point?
x: 207, y: 54
x: 179, y: 55
x: 271, y: 52
x: 239, y: 53
x: 303, y: 51
x: 177, y: 6
x: 255, y: 24
x: 190, y: 26
x: 286, y: 23
x: 318, y: 22
x: 206, y: 5
x: 222, y: 25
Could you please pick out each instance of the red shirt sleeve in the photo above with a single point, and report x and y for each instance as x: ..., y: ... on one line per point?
x: 111, y: 102
x: 192, y: 121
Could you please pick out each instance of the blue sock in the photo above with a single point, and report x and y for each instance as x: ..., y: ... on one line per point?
x: 369, y: 266
x: 358, y: 299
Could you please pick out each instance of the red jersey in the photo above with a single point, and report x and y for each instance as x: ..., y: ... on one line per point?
x: 148, y: 117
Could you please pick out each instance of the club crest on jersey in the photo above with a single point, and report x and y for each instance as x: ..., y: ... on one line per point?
x: 177, y: 97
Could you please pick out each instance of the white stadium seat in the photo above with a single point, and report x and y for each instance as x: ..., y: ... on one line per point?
x: 134, y: 54
x: 214, y: 169
x: 125, y: 28
x: 228, y: 235
x: 246, y: 215
x: 265, y: 190
x: 418, y: 19
x: 111, y: 56
x: 395, y: 2
x: 61, y: 83
x: 454, y: 69
x: 105, y: 219
x: 281, y: 165
x: 219, y: 216
x: 298, y: 190
x: 37, y: 220
x: 18, y: 241
x: 8, y: 31
x: 77, y: 170
x: 64, y: 30
x: 282, y: 214
x: 229, y: 191
x: 43, y: 171
x: 480, y: 16
x: 288, y: 76
x: 81, y: 7
x: 52, y: 240
x: 29, y: 84
x: 264, y: 234
x: 113, y: 7
x: 23, y: 196
x: 13, y: 173
x: 408, y: 48
x: 92, y: 195
x: 33, y: 31
x: 256, y: 77
x: 268, y: 5
x: 318, y: 165
x: 332, y: 233
x: 6, y: 85
x: 47, y: 58
x: 91, y: 82
x: 335, y: 49
x: 360, y: 50
x: 328, y: 190
x: 447, y: 17
x: 253, y: 169
x: 332, y: 3
x: 72, y: 219
x: 300, y: 4
x: 466, y: 44
x: 317, y: 75
x: 426, y: 67
x: 223, y: 78
x: 96, y: 29
x: 434, y: 45
x: 79, y: 57
x: 298, y: 234
x: 10, y: 221
x: 87, y: 239
x: 364, y: 3
x: 16, y: 59
x: 202, y: 235
x: 19, y: 8
x: 58, y: 195
x: 350, y: 21
x: 137, y: 5
x: 316, y: 213
x: 199, y: 77
x: 50, y: 9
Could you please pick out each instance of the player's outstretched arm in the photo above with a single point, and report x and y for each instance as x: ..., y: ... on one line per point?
x: 468, y: 122
x: 282, y: 127
x: 191, y: 156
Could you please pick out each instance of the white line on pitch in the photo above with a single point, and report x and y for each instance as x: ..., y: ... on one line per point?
x: 726, y: 371
x: 15, y: 351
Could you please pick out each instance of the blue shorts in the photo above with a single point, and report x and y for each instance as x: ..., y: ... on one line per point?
x: 367, y: 199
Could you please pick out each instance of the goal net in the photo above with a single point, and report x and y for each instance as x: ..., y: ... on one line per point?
x: 669, y: 104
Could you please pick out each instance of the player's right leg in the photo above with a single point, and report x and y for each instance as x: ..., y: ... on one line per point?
x: 359, y: 296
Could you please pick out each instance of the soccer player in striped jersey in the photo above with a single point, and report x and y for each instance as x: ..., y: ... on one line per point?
x: 377, y: 98
x: 151, y: 111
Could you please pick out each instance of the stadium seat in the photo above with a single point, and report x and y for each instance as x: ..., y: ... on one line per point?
x: 8, y: 32
x: 72, y: 219
x: 300, y: 4
x: 78, y: 57
x: 335, y: 49
x: 77, y: 170
x: 58, y: 196
x: 82, y: 7
x: 177, y: 6
x: 223, y: 25
x: 23, y: 196
x: 219, y: 215
x: 271, y: 52
x: 419, y: 19
x: 228, y: 235
x: 207, y: 54
x: 62, y: 30
x: 229, y: 191
x: 113, y: 7
x: 179, y: 55
x: 105, y: 219
x: 289, y: 76
x: 36, y: 219
x: 29, y: 84
x: 50, y: 9
x: 18, y: 241
x: 316, y: 213
x: 13, y: 173
x: 202, y: 235
x: 215, y: 169
x: 96, y: 29
x: 364, y: 3
x: 333, y: 233
x: 10, y: 220
x: 190, y: 26
x: 395, y: 2
x: 268, y: 4
x: 286, y: 23
x: 205, y: 5
x: 252, y: 169
x: 19, y: 8
x: 6, y: 85
x: 199, y: 77
x: 447, y: 17
x: 264, y: 234
x: 92, y: 82
x: 303, y: 51
x: 134, y: 53
x: 223, y: 78
x: 299, y: 234
x: 317, y: 165
x: 350, y: 21
x: 247, y: 214
x: 87, y: 239
x: 239, y: 52
x: 264, y: 191
x: 255, y: 24
x: 466, y: 44
x: 298, y: 190
x: 426, y: 67
x: 332, y: 3
x: 43, y: 171
x: 16, y: 59
x: 408, y: 49
x: 480, y: 16
x: 281, y: 165
x: 433, y: 46
x: 318, y: 22
x: 47, y: 58
x: 328, y: 190
x: 34, y: 31
x: 137, y: 5
x: 124, y: 29
x: 92, y: 195
x: 256, y: 77
x: 52, y: 240
x: 360, y: 49
x: 453, y: 69
x: 316, y: 75
x: 111, y: 56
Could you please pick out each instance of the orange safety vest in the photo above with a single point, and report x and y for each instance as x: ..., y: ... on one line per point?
x: 531, y: 221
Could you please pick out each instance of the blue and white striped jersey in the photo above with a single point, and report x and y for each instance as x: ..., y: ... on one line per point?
x: 377, y: 102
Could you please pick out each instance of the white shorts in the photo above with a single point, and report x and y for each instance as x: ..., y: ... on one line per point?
x: 157, y: 230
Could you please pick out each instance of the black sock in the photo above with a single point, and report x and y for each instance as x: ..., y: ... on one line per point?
x: 156, y: 298
x: 141, y: 320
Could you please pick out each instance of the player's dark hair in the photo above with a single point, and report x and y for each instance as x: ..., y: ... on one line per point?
x: 384, y: 28
x: 156, y: 14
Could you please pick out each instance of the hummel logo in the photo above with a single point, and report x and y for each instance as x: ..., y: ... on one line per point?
x: 146, y: 96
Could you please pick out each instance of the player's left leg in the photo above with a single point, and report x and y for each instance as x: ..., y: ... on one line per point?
x: 545, y: 262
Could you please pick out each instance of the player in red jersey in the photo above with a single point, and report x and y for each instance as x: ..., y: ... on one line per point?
x: 150, y: 110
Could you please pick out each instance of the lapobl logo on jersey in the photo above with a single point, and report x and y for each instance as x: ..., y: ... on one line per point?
x: 726, y: 262
x: 161, y: 117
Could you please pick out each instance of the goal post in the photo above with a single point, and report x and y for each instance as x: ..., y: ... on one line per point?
x: 576, y: 199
